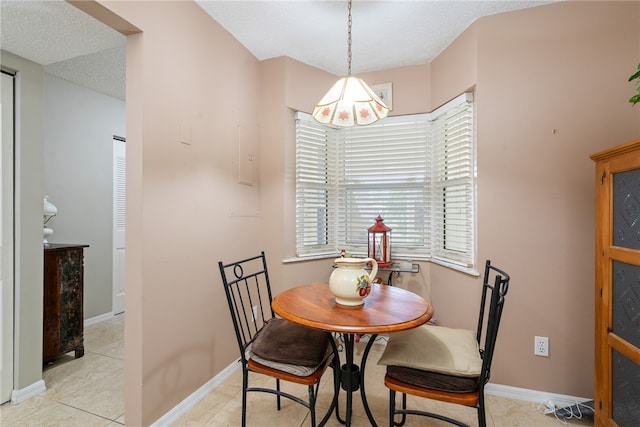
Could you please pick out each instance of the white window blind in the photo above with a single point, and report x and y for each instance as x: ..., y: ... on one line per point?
x: 382, y: 170
x: 315, y: 188
x: 454, y: 184
x: 417, y: 171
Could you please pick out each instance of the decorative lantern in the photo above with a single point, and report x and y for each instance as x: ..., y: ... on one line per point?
x: 379, y: 247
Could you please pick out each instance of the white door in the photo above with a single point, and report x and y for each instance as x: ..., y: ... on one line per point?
x: 119, y: 204
x: 6, y: 238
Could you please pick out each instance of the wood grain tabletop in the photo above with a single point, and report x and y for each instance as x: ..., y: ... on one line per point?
x: 386, y: 309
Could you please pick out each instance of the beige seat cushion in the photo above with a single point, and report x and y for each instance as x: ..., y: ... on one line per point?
x: 435, y: 349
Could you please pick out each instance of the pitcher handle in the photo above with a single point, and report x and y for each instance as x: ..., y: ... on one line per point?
x: 374, y: 268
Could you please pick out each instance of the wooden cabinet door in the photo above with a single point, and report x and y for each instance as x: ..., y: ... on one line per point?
x: 617, y: 338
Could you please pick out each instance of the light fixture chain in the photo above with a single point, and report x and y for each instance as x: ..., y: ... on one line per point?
x: 349, y: 102
x: 349, y: 41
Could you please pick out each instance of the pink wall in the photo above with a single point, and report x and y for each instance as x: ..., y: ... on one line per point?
x: 535, y: 187
x: 545, y: 101
x: 185, y: 210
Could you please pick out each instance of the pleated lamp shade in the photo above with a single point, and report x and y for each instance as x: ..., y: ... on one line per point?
x: 350, y: 102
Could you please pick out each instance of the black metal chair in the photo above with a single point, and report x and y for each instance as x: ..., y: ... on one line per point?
x: 448, y: 365
x: 272, y: 346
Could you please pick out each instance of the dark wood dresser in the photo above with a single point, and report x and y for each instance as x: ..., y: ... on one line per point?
x: 63, y: 322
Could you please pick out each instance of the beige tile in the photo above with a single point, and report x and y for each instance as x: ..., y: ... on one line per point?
x: 109, y: 334
x: 461, y: 413
x: 113, y: 349
x: 68, y: 378
x: 118, y: 319
x: 355, y: 422
x: 262, y: 411
x: 103, y: 397
x: 53, y: 414
x: 11, y: 413
x: 210, y: 405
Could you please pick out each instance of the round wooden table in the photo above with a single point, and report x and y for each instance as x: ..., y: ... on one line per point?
x: 386, y: 309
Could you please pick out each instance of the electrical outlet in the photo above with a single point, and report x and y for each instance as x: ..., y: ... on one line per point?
x: 255, y: 312
x: 541, y: 346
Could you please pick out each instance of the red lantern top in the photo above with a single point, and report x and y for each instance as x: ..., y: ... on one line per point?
x: 379, y: 226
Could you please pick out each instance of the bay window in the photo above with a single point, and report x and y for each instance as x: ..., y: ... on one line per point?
x: 416, y: 171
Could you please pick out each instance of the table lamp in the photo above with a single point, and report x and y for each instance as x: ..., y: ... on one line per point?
x: 49, y: 212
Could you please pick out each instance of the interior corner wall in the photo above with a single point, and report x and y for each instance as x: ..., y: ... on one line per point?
x: 273, y: 132
x: 79, y: 125
x: 545, y: 100
x: 28, y: 274
x: 455, y: 70
x: 294, y: 86
x: 191, y: 87
x: 410, y: 87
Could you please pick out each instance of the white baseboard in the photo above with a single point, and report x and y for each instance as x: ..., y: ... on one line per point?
x: 98, y: 319
x: 561, y: 400
x: 18, y: 396
x: 38, y: 387
x: 183, y: 407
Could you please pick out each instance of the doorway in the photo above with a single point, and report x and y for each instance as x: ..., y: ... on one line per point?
x: 6, y: 235
x: 25, y: 333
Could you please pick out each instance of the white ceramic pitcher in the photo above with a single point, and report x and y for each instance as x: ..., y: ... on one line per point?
x: 350, y: 282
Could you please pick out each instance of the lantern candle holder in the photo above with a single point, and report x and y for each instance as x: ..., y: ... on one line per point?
x: 379, y: 243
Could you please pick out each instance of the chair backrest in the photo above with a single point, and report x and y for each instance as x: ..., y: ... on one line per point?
x: 495, y: 286
x: 246, y: 285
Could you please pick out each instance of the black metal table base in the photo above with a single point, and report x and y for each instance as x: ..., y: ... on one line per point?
x: 351, y: 378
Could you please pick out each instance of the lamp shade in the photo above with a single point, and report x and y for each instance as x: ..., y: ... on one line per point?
x: 350, y: 102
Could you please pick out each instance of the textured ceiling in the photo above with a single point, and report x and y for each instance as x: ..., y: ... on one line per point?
x: 386, y: 34
x: 69, y: 43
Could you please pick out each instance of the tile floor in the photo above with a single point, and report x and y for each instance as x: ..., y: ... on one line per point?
x: 88, y: 392
x: 80, y: 392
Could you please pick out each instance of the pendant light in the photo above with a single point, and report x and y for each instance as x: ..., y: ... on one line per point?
x: 350, y: 102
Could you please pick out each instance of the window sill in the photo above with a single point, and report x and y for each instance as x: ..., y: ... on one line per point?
x: 308, y: 258
x: 466, y: 270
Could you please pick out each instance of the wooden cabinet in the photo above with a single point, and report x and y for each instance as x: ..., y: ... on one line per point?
x: 617, y: 292
x: 63, y: 322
